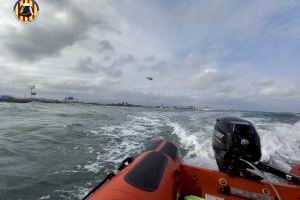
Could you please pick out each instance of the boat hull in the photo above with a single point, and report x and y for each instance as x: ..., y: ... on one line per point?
x: 158, y: 174
x: 152, y: 175
x: 204, y: 182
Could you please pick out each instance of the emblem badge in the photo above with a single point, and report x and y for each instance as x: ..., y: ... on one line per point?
x: 26, y: 10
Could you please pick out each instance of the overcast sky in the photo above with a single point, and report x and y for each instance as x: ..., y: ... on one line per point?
x: 224, y: 54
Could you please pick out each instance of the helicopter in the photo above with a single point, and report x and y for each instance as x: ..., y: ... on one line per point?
x: 149, y: 78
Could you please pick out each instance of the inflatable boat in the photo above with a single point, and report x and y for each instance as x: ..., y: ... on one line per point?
x: 159, y: 174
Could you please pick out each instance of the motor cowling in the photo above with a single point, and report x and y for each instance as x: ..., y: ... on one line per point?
x: 235, y: 139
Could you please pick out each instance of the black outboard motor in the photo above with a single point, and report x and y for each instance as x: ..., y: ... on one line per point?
x: 235, y: 139
x: 237, y: 149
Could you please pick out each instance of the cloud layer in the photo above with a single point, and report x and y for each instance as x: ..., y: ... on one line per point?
x: 226, y: 55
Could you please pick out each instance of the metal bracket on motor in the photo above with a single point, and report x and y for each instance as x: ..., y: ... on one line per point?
x: 244, y: 193
x: 278, y: 172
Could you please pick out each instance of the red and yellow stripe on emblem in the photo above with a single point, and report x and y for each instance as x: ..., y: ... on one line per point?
x: 31, y: 17
x: 19, y: 7
x: 35, y: 10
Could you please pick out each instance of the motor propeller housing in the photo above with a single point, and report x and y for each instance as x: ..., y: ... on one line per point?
x: 235, y: 139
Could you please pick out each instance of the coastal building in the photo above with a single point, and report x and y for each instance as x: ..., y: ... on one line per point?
x: 71, y: 100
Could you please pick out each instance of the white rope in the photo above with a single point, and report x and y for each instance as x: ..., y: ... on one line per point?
x: 261, y: 174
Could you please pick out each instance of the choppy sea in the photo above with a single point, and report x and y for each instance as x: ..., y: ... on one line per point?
x: 60, y: 151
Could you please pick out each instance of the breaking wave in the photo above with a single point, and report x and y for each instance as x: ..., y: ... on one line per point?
x: 76, y: 146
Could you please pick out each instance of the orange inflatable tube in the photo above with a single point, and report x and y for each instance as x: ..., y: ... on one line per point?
x: 218, y: 185
x: 157, y: 174
x: 154, y: 174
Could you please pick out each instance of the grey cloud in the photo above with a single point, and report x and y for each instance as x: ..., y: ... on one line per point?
x: 79, y: 86
x: 199, y: 60
x: 183, y: 50
x: 154, y: 65
x: 105, y: 45
x: 270, y: 88
x: 88, y: 65
x: 160, y: 66
x: 54, y: 30
x: 219, y: 91
x: 123, y: 61
x: 208, y: 78
x: 18, y: 81
x: 150, y: 59
x: 264, y: 83
x: 278, y: 91
x: 107, y: 58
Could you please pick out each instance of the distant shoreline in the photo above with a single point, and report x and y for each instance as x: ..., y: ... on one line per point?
x: 10, y: 99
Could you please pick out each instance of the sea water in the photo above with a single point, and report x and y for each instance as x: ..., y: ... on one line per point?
x: 61, y: 151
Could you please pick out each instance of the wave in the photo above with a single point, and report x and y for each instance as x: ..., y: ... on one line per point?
x: 280, y: 144
x: 121, y: 141
x: 95, y: 139
x: 197, y: 145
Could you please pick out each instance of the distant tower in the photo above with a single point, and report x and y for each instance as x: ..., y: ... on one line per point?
x: 32, y: 92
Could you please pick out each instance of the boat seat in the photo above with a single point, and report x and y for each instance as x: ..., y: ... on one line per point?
x: 147, y: 174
